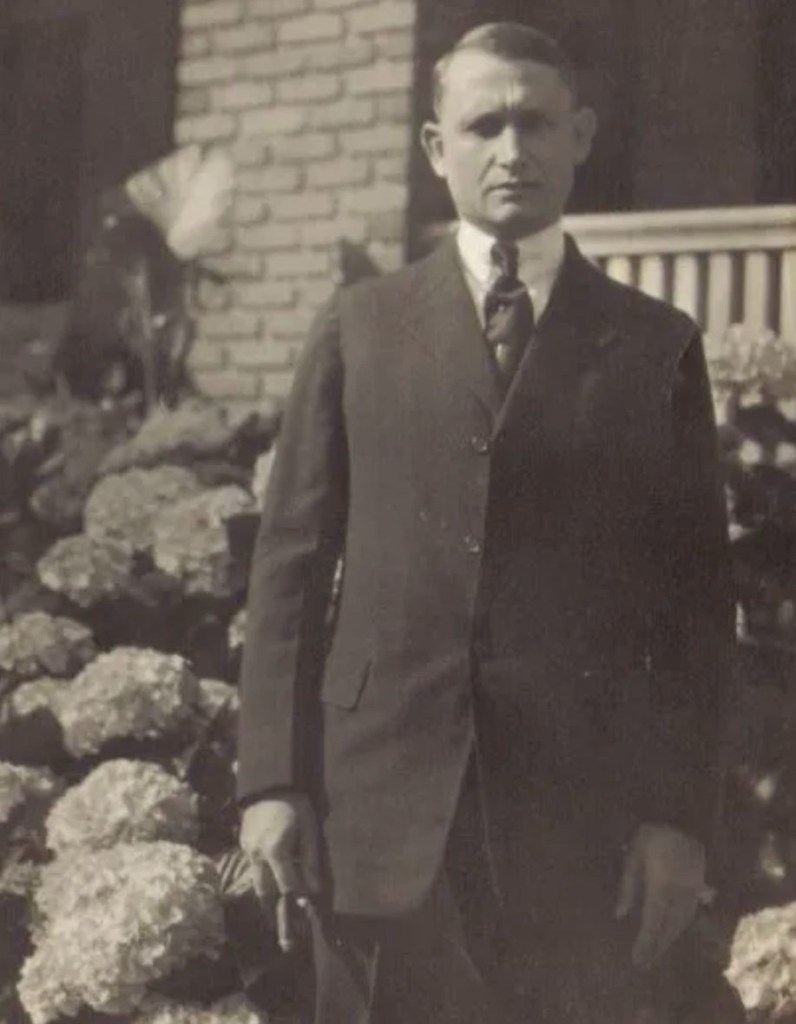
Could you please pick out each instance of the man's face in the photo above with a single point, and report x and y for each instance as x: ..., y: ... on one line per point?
x: 507, y: 142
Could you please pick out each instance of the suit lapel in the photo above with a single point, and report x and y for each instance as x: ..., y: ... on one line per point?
x: 571, y: 335
x: 444, y: 323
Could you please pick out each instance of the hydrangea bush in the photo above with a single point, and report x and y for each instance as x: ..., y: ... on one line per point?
x: 218, y: 699
x: 192, y: 542
x: 763, y: 966
x: 752, y: 364
x: 195, y: 430
x: 115, y: 922
x: 117, y: 695
x: 122, y: 508
x: 127, y: 693
x: 753, y: 374
x: 37, y: 644
x: 237, y: 631
x: 232, y: 1010
x: 262, y: 474
x: 123, y: 801
x: 36, y: 695
x: 85, y: 432
x: 85, y: 570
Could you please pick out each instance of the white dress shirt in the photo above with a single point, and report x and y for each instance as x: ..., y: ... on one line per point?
x: 540, y: 259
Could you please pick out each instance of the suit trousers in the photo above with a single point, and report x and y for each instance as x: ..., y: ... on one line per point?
x: 550, y: 952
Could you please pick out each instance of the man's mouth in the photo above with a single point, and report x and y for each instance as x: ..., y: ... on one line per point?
x: 514, y: 186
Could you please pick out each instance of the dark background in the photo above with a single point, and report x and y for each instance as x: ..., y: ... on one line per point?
x: 87, y: 92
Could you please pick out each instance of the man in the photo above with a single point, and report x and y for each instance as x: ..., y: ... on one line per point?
x: 496, y: 781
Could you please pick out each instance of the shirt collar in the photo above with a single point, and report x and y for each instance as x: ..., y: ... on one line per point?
x: 540, y: 255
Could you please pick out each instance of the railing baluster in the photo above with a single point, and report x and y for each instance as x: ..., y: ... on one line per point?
x: 787, y: 296
x: 652, y: 276
x: 756, y: 290
x: 719, y: 295
x: 686, y: 284
x: 620, y: 269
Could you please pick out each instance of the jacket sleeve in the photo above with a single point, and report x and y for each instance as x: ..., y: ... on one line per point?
x: 693, y: 641
x: 292, y: 570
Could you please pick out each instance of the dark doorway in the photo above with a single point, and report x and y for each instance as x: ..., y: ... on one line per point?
x: 41, y: 114
x: 776, y: 102
x: 86, y: 99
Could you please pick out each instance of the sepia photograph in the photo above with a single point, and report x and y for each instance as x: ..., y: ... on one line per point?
x: 397, y: 511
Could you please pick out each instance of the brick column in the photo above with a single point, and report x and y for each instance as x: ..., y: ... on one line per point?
x: 312, y: 98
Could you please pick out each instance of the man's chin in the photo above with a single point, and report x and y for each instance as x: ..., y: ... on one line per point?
x: 515, y: 224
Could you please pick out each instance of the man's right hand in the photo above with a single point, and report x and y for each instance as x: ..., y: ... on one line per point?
x: 280, y: 835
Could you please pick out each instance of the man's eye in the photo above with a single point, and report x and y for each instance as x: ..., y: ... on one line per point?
x: 488, y: 126
x: 529, y: 122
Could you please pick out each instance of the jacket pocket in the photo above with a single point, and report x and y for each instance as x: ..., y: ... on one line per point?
x: 344, y: 680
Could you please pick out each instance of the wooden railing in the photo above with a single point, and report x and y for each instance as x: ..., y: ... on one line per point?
x: 722, y: 266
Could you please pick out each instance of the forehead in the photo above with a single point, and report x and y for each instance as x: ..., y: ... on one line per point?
x: 476, y: 83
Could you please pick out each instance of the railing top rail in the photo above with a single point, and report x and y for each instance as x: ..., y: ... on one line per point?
x: 659, y: 232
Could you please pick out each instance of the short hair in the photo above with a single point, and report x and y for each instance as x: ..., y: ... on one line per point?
x: 509, y: 40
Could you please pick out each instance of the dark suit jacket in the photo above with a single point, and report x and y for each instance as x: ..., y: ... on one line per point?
x: 545, y: 575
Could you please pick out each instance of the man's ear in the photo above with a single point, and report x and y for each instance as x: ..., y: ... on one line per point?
x: 585, y: 125
x: 431, y: 141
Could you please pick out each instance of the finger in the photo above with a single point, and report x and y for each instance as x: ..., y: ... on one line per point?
x: 259, y: 873
x: 310, y: 863
x: 666, y: 915
x: 653, y: 911
x: 629, y: 884
x: 287, y: 873
x: 646, y: 939
x: 285, y: 924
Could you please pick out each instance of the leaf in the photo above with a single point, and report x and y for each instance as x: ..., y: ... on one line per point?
x: 186, y: 195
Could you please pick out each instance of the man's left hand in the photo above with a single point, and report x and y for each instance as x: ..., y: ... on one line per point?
x: 664, y: 877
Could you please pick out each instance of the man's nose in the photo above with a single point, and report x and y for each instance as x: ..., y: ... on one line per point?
x: 509, y: 148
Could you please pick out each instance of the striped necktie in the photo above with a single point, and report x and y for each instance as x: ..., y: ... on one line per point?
x: 508, y: 312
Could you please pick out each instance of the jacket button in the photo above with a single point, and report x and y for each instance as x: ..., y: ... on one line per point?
x: 480, y: 445
x: 472, y: 544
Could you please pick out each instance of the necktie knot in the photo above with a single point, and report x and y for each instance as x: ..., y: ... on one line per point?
x: 505, y: 259
x: 508, y: 311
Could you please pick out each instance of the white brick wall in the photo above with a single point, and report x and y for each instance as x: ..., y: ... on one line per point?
x: 312, y: 99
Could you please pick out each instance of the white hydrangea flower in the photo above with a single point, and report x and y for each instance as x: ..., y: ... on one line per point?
x: 45, y: 992
x: 219, y: 703
x: 216, y: 695
x: 35, y: 695
x: 195, y: 429
x: 752, y: 361
x: 37, y: 643
x: 236, y: 633
x: 123, y: 508
x: 19, y: 784
x: 69, y: 884
x: 751, y: 453
x: 128, y: 692
x: 763, y: 964
x: 115, y: 922
x: 86, y: 570
x: 123, y: 801
x: 192, y: 543
x: 235, y: 1009
x: 262, y: 474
